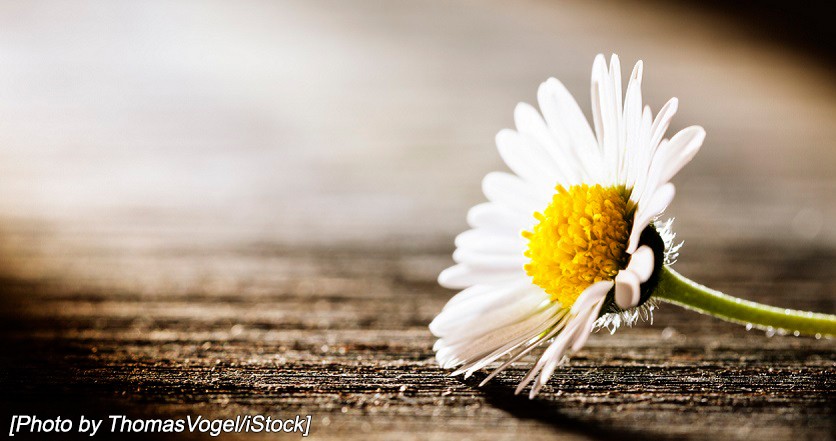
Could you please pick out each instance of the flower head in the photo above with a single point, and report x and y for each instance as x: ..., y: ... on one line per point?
x: 569, y: 233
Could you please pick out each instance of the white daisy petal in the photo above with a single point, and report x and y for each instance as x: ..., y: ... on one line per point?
x: 492, y: 241
x: 593, y: 297
x: 631, y: 127
x: 652, y: 177
x: 591, y: 317
x: 481, y: 297
x: 590, y: 298
x: 524, y: 157
x: 681, y: 149
x: 512, y: 193
x: 526, y: 348
x: 474, y: 347
x: 531, y: 124
x: 461, y: 276
x: 652, y: 154
x: 492, y: 216
x: 599, y: 73
x: 636, y: 80
x: 607, y: 111
x: 551, y: 358
x: 662, y: 121
x: 615, y: 91
x: 478, y: 337
x: 516, y: 296
x: 575, y: 142
x: 487, y: 261
x: 645, y: 214
x: 513, y: 338
x: 638, y: 159
x: 627, y: 291
x: 641, y: 263
x: 473, y: 295
x: 551, y: 353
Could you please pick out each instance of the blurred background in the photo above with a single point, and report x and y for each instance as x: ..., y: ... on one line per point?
x: 355, y: 120
x: 178, y: 178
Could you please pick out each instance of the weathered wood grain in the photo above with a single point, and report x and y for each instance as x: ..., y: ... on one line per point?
x: 238, y: 208
x: 358, y: 357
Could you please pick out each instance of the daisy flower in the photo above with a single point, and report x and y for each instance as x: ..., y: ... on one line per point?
x: 570, y: 241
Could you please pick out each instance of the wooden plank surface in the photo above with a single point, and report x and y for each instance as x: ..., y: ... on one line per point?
x: 239, y: 208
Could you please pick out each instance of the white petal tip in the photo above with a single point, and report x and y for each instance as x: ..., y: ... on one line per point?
x: 627, y: 292
x: 454, y: 277
x: 641, y: 263
x: 444, y: 279
x: 434, y: 330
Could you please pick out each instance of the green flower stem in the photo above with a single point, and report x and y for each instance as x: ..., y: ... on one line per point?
x: 676, y: 289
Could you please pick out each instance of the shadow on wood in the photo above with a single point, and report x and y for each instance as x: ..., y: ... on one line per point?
x: 550, y: 411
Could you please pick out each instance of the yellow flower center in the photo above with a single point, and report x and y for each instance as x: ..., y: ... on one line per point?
x: 580, y: 240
